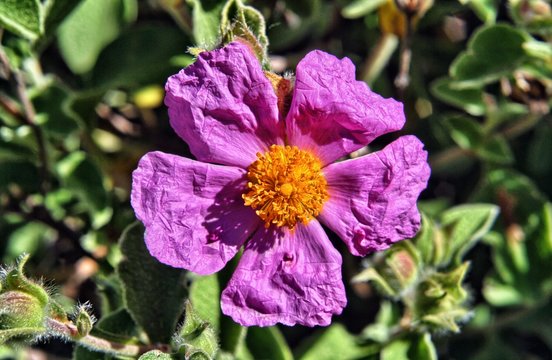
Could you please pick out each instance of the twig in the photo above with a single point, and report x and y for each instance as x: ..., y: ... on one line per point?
x: 69, y: 330
x: 379, y: 57
x: 403, y: 78
x: 29, y: 117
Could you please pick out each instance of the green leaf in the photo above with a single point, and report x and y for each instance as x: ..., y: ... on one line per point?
x: 154, y: 293
x: 422, y: 348
x: 206, y: 17
x: 55, y: 12
x: 510, y: 187
x: 205, y: 298
x: 49, y: 103
x: 155, y: 355
x: 496, y: 150
x: 334, y: 340
x: 359, y: 8
x: 371, y: 274
x: 382, y: 329
x: 466, y: 132
x: 267, y: 343
x: 140, y: 56
x: 88, y: 29
x: 22, y: 17
x: 539, y: 154
x: 82, y: 353
x: 465, y: 225
x: 499, y: 295
x: 424, y: 240
x: 486, y: 10
x: 396, y: 350
x: 117, y: 326
x: 493, y: 51
x: 29, y: 238
x: 470, y: 100
x: 80, y: 175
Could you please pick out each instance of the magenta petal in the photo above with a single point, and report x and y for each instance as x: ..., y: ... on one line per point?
x: 193, y: 212
x: 224, y: 107
x: 373, y: 198
x: 286, y: 277
x: 332, y: 114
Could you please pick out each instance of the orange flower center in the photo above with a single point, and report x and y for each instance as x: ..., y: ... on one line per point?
x: 286, y: 186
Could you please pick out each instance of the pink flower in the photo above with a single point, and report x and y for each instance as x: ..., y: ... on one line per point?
x: 277, y: 178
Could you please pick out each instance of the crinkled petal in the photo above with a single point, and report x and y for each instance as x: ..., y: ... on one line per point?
x: 332, y: 114
x: 193, y: 212
x: 224, y: 107
x: 286, y: 277
x: 373, y: 198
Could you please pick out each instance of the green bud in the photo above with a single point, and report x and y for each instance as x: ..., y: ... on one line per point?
x: 439, y: 299
x: 402, y: 265
x: 84, y: 321
x: 23, y: 305
x: 20, y: 310
x: 196, y: 337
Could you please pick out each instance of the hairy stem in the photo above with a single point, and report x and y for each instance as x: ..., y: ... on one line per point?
x: 69, y: 330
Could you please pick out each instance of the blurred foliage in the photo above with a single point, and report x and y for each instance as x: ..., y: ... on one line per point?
x: 81, y: 92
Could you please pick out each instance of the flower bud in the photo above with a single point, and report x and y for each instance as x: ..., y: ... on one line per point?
x: 84, y: 321
x: 20, y: 310
x: 196, y: 337
x: 414, y: 7
x: 23, y: 305
x: 439, y: 299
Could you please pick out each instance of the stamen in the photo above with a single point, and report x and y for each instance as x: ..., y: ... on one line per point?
x: 286, y: 186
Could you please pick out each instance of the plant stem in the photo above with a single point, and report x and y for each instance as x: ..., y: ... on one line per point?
x: 69, y: 330
x: 379, y: 57
x: 29, y: 117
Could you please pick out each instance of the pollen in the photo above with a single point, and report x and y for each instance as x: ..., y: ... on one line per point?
x: 286, y: 186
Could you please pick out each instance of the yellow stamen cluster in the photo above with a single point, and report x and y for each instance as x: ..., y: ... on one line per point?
x: 286, y: 186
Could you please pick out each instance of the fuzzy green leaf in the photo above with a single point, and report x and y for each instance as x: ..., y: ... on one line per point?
x: 88, y: 29
x: 154, y: 293
x: 80, y: 175
x: 206, y: 17
x: 359, y: 8
x: 493, y: 51
x: 205, y: 297
x: 465, y: 225
x: 155, y: 355
x: 140, y: 56
x: 267, y: 343
x: 334, y: 340
x: 22, y: 17
x: 470, y: 100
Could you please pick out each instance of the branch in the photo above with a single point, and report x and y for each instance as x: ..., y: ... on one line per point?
x: 70, y: 331
x: 29, y: 116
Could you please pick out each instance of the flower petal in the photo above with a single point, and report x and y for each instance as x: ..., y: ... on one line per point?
x: 286, y: 277
x: 224, y: 107
x: 332, y: 114
x: 373, y: 198
x: 193, y: 212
